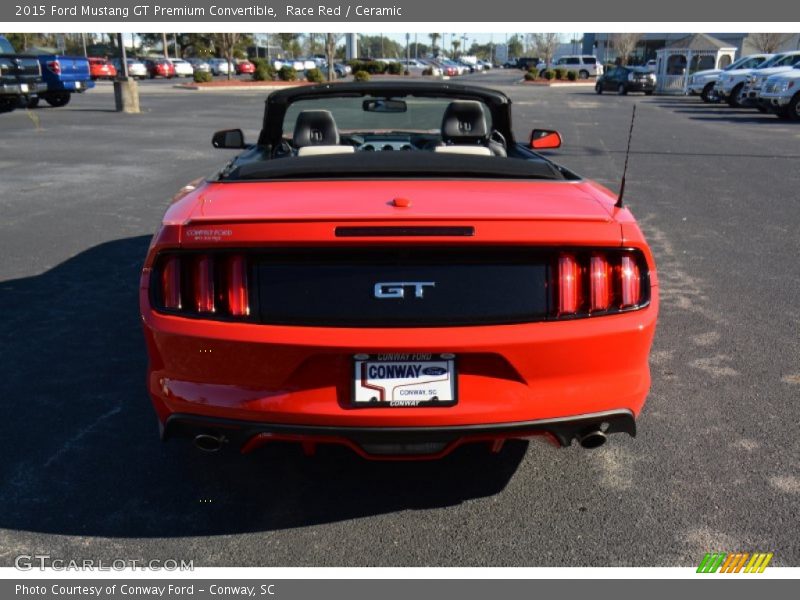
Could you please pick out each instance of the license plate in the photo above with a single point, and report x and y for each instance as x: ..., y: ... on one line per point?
x: 77, y: 85
x: 23, y: 88
x: 404, y: 380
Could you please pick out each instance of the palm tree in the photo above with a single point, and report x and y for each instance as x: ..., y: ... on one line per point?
x: 434, y: 37
x: 456, y: 45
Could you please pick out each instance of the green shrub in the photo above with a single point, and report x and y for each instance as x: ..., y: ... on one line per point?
x: 394, y: 68
x: 427, y: 71
x: 572, y: 75
x: 357, y: 65
x: 287, y: 73
x: 202, y: 77
x: 314, y: 76
x: 530, y: 76
x: 549, y: 74
x: 375, y: 67
x: 360, y: 76
x: 264, y: 70
x: 560, y: 73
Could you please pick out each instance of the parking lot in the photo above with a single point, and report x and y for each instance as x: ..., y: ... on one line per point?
x: 714, y: 466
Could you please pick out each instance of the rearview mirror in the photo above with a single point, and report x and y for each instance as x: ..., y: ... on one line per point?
x: 228, y: 138
x: 542, y: 139
x: 384, y: 105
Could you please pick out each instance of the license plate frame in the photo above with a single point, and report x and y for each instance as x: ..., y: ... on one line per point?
x: 367, y: 394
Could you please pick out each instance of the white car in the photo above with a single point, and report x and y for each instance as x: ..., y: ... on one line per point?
x: 583, y: 65
x: 730, y: 85
x: 702, y: 82
x: 136, y: 69
x: 220, y: 66
x: 781, y: 93
x: 183, y: 68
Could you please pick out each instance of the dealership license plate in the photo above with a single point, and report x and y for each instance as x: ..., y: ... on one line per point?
x: 23, y: 88
x: 404, y: 380
x: 77, y: 85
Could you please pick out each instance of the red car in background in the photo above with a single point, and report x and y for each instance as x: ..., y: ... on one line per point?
x: 101, y: 68
x: 245, y: 67
x: 388, y: 269
x: 159, y: 67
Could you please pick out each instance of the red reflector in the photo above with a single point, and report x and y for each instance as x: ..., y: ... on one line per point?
x: 568, y: 285
x: 238, y: 302
x: 600, y: 283
x: 204, y: 285
x: 171, y: 283
x: 54, y: 66
x: 631, y: 287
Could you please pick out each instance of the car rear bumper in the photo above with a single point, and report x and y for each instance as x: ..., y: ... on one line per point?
x: 390, y: 443
x: 291, y: 376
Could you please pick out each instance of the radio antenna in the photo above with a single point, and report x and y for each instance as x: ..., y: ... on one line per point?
x: 618, y: 203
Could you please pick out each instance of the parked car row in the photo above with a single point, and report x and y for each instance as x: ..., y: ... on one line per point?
x: 767, y: 82
x: 583, y: 65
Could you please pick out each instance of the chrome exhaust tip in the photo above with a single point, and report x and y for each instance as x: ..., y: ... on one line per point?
x: 593, y: 439
x: 208, y: 443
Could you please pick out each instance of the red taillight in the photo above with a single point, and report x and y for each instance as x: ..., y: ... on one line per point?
x: 569, y: 285
x: 631, y: 288
x: 238, y: 302
x: 54, y: 66
x: 204, y: 285
x: 171, y: 283
x: 599, y: 283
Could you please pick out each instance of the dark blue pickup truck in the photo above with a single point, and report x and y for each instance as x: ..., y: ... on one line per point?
x: 20, y: 78
x: 64, y: 76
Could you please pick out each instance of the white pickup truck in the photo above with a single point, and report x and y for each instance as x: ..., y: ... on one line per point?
x: 730, y: 85
x: 751, y: 93
x: 781, y: 93
x: 702, y: 82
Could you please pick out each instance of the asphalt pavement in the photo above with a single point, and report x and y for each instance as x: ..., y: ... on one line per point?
x: 715, y: 466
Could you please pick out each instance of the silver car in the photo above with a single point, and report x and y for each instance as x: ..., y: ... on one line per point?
x: 136, y: 69
x: 199, y: 65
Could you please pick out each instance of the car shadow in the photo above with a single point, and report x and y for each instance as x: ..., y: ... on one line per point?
x: 81, y: 449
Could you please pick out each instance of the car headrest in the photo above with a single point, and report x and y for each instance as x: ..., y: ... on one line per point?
x: 315, y: 128
x: 464, y: 122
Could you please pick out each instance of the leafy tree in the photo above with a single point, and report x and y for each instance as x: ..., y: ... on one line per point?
x: 417, y: 49
x: 515, y: 47
x: 379, y: 46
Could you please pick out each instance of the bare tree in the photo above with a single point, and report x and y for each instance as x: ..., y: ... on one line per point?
x: 769, y: 43
x: 545, y: 45
x: 226, y: 42
x: 625, y: 44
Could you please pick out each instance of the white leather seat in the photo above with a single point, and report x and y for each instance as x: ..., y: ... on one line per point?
x: 472, y: 150
x: 321, y: 150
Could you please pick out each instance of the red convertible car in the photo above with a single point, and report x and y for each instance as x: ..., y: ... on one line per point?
x: 387, y: 268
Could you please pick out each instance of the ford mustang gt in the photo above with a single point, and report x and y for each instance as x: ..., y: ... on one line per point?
x: 387, y: 268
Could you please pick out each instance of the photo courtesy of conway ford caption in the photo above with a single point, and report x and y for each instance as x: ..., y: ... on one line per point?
x: 388, y: 269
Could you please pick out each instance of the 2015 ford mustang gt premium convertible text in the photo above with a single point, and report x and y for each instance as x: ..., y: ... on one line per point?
x: 386, y: 268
